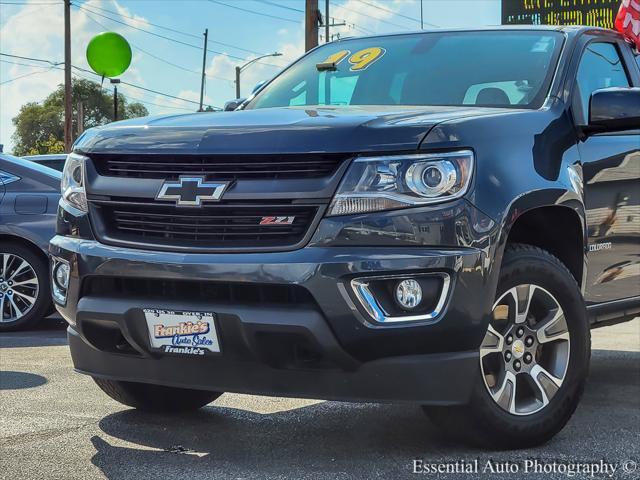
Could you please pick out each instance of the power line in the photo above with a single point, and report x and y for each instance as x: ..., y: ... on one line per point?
x: 22, y: 64
x: 397, y: 14
x: 27, y: 75
x: 254, y: 12
x: 185, y: 69
x: 268, y: 2
x: 127, y: 95
x: 178, y: 66
x: 150, y: 90
x: 29, y: 3
x: 86, y: 9
x: 375, y: 18
x: 55, y: 64
x: 169, y: 29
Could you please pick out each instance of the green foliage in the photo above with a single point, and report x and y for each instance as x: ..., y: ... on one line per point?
x: 50, y: 145
x: 40, y: 126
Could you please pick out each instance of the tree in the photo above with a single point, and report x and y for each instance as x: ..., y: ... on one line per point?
x: 40, y: 127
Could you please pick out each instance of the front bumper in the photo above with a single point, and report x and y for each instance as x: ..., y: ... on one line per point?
x: 328, y: 348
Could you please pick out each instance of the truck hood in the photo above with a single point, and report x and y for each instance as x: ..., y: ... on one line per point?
x: 278, y: 130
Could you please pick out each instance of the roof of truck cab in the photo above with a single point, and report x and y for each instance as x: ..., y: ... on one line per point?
x: 572, y: 30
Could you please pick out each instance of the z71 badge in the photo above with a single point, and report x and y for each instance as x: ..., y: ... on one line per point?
x: 277, y: 220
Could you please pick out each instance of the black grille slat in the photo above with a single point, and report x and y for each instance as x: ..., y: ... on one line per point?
x: 188, y: 290
x: 231, y: 226
x: 201, y: 233
x: 227, y: 167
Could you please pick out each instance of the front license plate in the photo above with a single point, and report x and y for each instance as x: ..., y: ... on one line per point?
x: 182, y: 333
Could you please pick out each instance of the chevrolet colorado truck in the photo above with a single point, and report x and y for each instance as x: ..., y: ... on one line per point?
x: 435, y: 218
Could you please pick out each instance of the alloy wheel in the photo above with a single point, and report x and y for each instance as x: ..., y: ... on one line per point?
x: 525, y: 353
x: 19, y: 287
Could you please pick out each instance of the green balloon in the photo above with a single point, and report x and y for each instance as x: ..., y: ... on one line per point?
x: 109, y: 54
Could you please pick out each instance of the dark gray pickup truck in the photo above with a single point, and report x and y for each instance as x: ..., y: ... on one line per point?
x: 435, y: 217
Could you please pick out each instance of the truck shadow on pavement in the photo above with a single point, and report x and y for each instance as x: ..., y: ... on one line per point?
x: 333, y: 438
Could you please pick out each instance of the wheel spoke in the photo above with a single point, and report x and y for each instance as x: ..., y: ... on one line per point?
x: 546, y: 383
x: 30, y: 281
x: 24, y: 265
x: 17, y: 312
x: 553, y: 327
x: 5, y: 263
x: 505, y: 395
x: 2, y: 305
x: 493, y: 342
x: 30, y: 299
x: 522, y: 295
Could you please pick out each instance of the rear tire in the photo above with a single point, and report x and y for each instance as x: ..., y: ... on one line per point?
x: 156, y: 398
x: 22, y: 291
x: 496, y: 417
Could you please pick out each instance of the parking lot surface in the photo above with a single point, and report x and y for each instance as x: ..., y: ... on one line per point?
x: 55, y: 423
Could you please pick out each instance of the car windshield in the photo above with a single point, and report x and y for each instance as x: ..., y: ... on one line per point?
x: 483, y: 68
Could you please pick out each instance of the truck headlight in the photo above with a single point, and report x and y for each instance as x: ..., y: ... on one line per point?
x: 72, y: 186
x: 398, y: 181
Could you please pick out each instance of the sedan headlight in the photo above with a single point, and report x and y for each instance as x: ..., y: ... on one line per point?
x: 72, y: 186
x: 384, y: 183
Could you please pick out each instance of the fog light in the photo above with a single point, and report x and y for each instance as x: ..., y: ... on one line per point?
x: 62, y: 275
x: 60, y: 282
x: 408, y: 294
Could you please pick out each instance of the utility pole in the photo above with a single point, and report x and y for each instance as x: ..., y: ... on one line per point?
x: 68, y: 108
x: 311, y: 17
x: 204, y: 66
x: 421, y: 16
x: 80, y: 119
x: 115, y: 82
x: 327, y: 36
x: 238, y: 70
x: 327, y: 23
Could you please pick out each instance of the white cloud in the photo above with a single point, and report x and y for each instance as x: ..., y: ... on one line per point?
x: 137, y: 21
x: 37, y: 31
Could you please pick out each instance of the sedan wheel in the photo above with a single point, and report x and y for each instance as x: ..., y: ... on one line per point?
x: 25, y: 296
x: 19, y: 287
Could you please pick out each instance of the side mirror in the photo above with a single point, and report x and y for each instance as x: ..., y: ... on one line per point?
x: 231, y: 105
x: 258, y: 86
x: 615, y: 109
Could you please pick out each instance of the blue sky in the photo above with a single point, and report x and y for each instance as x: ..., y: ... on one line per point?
x: 34, y: 28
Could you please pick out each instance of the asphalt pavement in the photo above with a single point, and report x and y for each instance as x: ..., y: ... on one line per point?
x: 55, y: 423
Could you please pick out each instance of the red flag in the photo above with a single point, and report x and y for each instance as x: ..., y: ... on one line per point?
x: 628, y: 21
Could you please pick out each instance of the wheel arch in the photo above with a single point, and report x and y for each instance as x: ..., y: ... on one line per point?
x: 28, y: 243
x: 558, y: 228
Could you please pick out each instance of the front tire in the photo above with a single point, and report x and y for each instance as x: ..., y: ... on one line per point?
x: 534, y: 359
x: 156, y: 398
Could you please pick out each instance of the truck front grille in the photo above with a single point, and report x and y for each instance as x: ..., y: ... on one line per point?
x: 190, y: 290
x: 229, y: 227
x: 220, y: 167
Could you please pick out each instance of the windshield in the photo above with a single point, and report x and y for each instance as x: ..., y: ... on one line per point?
x: 487, y: 68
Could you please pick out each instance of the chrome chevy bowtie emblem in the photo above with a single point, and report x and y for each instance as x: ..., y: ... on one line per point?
x: 191, y: 191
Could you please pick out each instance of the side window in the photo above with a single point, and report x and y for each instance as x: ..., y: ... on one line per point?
x: 600, y: 67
